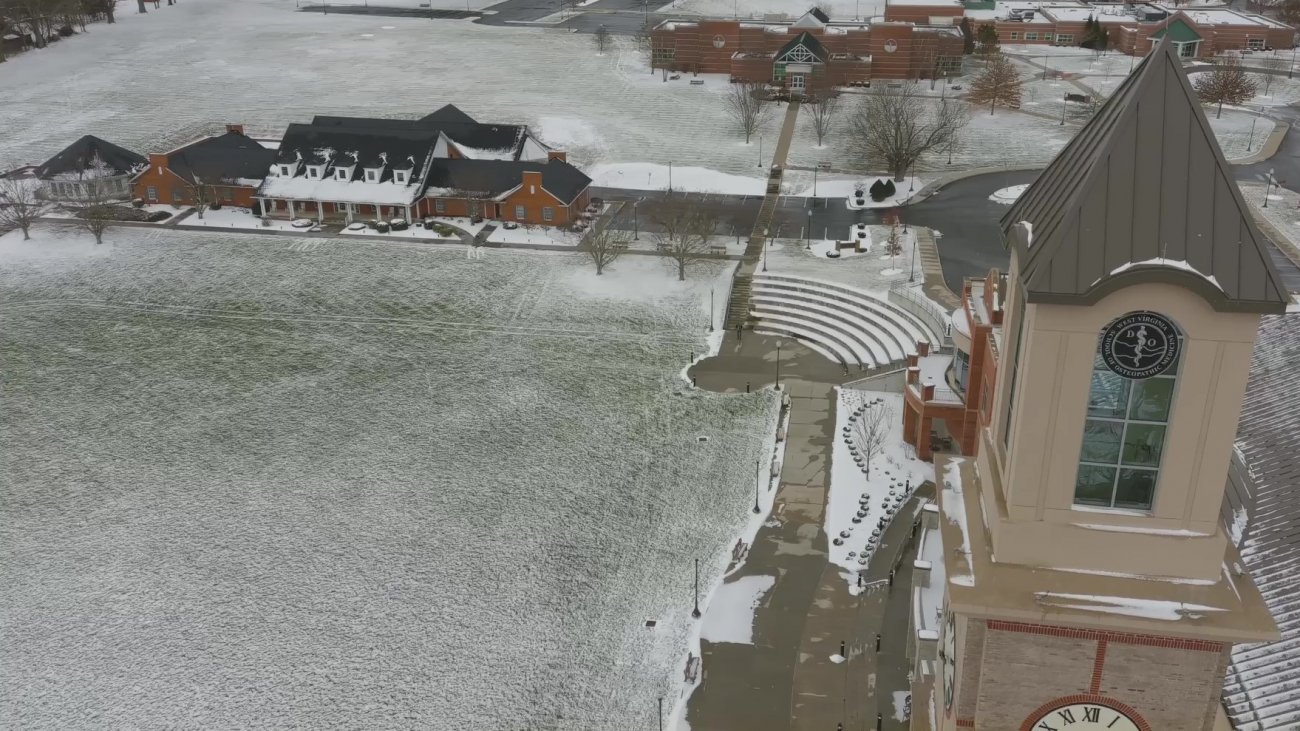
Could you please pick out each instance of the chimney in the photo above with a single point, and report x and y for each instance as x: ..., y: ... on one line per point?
x: 157, y: 161
x: 922, y: 348
x: 237, y: 129
x: 557, y: 155
x: 532, y: 180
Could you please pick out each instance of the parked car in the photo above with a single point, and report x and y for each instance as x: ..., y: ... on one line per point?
x: 302, y: 223
x: 476, y: 219
x: 510, y: 225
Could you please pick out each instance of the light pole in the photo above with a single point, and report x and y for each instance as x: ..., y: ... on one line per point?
x: 1251, y: 141
x: 1268, y: 185
x: 710, y: 309
x: 670, y: 177
x: 815, y: 183
x: 696, y: 612
x: 911, y: 275
x: 807, y: 241
x: 778, y: 365
x: 1064, y: 101
x: 635, y: 234
x: 760, y: 150
x: 758, y: 471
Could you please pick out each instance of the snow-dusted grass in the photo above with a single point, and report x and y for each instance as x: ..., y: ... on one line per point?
x: 547, y: 235
x: 1281, y: 91
x: 363, y: 485
x: 1240, y: 133
x: 652, y: 176
x: 874, y: 491
x: 265, y: 65
x: 1283, y: 208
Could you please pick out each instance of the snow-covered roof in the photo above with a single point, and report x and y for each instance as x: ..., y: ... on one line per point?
x: 1223, y: 17
x: 342, y: 191
x: 1262, y: 688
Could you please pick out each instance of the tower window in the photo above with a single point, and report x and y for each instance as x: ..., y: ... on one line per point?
x: 1123, y: 438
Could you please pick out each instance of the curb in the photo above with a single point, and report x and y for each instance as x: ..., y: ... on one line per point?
x: 1270, y: 146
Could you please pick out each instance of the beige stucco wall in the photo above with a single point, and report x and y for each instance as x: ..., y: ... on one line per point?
x: 1043, y: 526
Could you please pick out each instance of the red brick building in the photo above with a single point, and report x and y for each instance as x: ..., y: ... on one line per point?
x: 1133, y: 29
x: 443, y: 164
x: 811, y: 52
x: 230, y: 167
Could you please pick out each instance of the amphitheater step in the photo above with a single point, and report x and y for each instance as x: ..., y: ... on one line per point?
x: 891, y: 324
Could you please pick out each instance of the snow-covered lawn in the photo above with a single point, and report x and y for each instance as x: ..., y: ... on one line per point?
x: 865, y: 497
x: 238, y: 218
x: 652, y: 176
x: 873, y: 271
x: 1240, y: 133
x: 535, y: 235
x: 264, y: 65
x: 1008, y: 195
x: 1283, y: 208
x: 252, y: 484
x: 1280, y: 92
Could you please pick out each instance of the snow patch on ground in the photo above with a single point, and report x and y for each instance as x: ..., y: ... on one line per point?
x: 902, y: 705
x: 1008, y: 195
x: 874, y: 497
x: 731, y: 609
x: 1127, y: 606
x: 652, y: 176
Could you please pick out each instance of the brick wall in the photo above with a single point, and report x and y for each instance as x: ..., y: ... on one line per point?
x: 970, y: 661
x: 1170, y: 683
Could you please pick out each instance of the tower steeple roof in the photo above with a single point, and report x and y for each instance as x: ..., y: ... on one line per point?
x: 1143, y: 193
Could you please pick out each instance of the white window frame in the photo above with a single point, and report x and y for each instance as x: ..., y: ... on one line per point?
x: 521, y: 213
x: 151, y: 192
x: 439, y: 205
x: 399, y: 176
x: 1254, y: 43
x: 1031, y: 35
x: 1015, y: 35
x: 1064, y: 38
x: 548, y: 213
x: 341, y: 173
x: 372, y: 175
x: 1048, y: 37
x: 314, y: 171
x: 284, y: 169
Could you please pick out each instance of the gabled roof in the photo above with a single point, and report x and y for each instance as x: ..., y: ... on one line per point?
x: 448, y: 114
x: 1260, y: 688
x: 78, y: 157
x: 1143, y: 193
x: 386, y: 147
x: 814, y: 18
x: 495, y: 177
x: 231, y: 156
x: 1178, y: 31
x: 807, y: 41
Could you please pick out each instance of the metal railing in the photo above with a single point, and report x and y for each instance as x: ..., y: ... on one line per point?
x: 908, y: 296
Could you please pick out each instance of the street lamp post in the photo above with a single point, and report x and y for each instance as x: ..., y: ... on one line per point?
x: 696, y: 612
x: 635, y: 234
x: 670, y: 177
x: 1065, y: 100
x: 815, y: 183
x: 911, y: 275
x: 778, y: 365
x: 1251, y: 141
x: 760, y: 150
x: 807, y: 241
x: 1268, y: 185
x: 758, y: 470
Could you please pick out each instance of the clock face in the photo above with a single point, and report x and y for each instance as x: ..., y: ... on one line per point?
x: 1084, y: 717
x: 1140, y: 345
x: 949, y: 655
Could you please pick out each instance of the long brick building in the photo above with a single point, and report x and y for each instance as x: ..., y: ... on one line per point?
x: 811, y: 52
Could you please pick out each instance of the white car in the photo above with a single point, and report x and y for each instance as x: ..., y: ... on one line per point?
x: 302, y: 223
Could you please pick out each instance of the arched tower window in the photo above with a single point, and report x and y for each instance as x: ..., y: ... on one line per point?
x: 1124, y: 435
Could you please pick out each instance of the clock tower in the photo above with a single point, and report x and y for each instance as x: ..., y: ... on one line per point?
x: 1084, y: 580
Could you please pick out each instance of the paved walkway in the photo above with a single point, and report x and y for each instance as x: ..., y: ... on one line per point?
x: 785, y: 679
x: 787, y: 133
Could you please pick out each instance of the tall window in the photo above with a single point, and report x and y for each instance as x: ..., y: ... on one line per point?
x: 520, y: 213
x: 1123, y: 438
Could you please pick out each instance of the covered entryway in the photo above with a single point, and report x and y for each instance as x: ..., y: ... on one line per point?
x: 1185, y: 39
x: 797, y: 61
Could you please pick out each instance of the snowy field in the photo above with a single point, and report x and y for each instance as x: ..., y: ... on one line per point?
x: 266, y: 66
x: 362, y: 485
x: 873, y: 271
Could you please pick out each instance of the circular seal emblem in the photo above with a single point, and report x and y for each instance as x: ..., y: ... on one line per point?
x: 1140, y: 345
x: 891, y: 45
x: 719, y: 41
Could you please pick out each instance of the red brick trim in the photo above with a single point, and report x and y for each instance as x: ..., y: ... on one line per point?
x: 1124, y: 638
x: 965, y: 723
x: 1097, y: 664
x: 1096, y: 700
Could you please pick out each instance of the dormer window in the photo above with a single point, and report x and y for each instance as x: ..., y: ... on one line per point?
x: 314, y: 171
x: 400, y: 176
x: 372, y: 175
x: 284, y: 170
x: 342, y: 173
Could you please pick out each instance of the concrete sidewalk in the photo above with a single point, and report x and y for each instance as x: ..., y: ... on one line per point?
x: 786, y: 679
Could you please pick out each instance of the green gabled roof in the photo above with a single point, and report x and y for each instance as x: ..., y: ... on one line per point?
x: 1178, y: 31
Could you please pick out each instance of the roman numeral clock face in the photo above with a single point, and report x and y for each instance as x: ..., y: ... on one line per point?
x: 1084, y: 717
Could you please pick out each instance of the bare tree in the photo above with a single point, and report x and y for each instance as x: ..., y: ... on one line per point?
x: 605, y: 245
x: 683, y: 227
x: 895, y: 127
x: 19, y: 206
x: 601, y: 39
x: 871, y: 431
x: 822, y: 108
x: 1226, y: 83
x: 748, y: 106
x: 201, y: 194
x: 999, y: 83
x: 96, y: 215
x: 1272, y: 66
